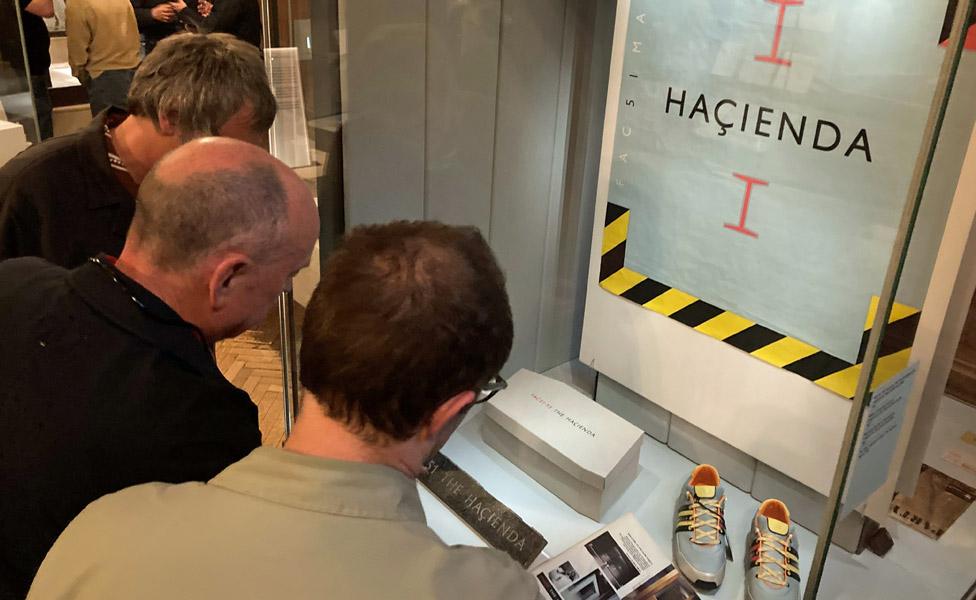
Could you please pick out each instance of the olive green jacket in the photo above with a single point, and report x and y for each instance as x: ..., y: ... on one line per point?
x: 273, y: 525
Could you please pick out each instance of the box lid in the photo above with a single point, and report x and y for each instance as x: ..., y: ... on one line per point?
x: 569, y: 429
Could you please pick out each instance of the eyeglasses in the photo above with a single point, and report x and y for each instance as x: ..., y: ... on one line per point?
x: 488, y: 391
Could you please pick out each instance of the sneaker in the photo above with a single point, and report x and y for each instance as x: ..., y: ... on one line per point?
x: 700, y: 545
x: 773, y: 568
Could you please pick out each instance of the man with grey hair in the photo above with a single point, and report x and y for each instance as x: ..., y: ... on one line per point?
x: 72, y: 197
x: 108, y: 374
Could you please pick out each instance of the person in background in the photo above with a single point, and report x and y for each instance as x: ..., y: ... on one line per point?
x: 37, y: 42
x: 241, y: 18
x: 157, y: 19
x: 108, y: 374
x: 72, y: 197
x: 103, y: 49
x: 407, y: 330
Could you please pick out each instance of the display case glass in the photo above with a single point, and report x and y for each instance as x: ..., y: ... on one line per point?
x: 726, y: 223
x: 15, y: 82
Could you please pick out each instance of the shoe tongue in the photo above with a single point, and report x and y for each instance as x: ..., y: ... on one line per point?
x: 776, y: 526
x: 705, y: 492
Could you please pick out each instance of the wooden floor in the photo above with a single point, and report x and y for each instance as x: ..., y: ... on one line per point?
x: 252, y: 363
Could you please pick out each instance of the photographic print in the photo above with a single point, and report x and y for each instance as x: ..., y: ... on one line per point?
x: 563, y: 575
x: 666, y: 585
x: 612, y: 560
x: 592, y: 587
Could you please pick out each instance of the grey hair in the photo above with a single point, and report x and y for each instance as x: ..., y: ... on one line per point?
x: 184, y: 221
x: 199, y: 81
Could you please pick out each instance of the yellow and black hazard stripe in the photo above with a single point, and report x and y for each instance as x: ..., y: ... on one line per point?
x: 770, y: 346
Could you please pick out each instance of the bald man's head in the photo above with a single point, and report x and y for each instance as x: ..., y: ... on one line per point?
x: 219, y: 230
x: 212, y: 194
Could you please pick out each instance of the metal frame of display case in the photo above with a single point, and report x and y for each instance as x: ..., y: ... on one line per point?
x: 16, y: 32
x: 923, y: 164
x: 291, y: 392
x: 280, y: 17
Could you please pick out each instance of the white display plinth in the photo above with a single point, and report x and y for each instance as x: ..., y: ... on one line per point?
x: 12, y: 140
x: 917, y: 567
x: 651, y: 498
x: 577, y: 449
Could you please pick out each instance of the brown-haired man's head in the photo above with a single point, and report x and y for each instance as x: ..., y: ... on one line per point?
x: 409, y: 319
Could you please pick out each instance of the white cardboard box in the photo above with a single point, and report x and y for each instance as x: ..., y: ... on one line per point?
x: 12, y: 140
x: 580, y: 451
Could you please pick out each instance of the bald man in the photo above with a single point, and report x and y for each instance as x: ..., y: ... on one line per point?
x: 108, y: 378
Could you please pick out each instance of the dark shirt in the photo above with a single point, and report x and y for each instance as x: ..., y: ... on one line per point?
x: 152, y: 30
x: 99, y: 394
x: 37, y: 41
x: 61, y: 200
x: 241, y: 18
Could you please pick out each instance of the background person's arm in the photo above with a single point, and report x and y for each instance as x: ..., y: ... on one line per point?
x: 41, y: 8
x: 79, y: 34
x: 143, y: 14
x: 223, y: 16
x: 152, y: 12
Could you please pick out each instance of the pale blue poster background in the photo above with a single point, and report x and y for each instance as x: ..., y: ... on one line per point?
x: 825, y: 223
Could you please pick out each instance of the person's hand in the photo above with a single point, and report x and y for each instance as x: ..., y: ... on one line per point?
x: 204, y: 7
x: 178, y: 5
x: 163, y: 12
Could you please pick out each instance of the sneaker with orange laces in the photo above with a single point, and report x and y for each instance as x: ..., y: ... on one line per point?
x: 773, y: 564
x: 700, y: 545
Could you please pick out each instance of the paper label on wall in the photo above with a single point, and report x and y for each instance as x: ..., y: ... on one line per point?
x: 765, y: 148
x: 883, y: 420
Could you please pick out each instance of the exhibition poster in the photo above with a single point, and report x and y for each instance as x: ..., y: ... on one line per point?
x: 761, y: 153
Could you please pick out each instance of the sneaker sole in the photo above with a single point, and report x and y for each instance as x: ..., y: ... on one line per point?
x: 700, y: 579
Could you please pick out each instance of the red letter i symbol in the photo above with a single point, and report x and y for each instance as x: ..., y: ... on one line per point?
x: 741, y: 227
x: 777, y: 36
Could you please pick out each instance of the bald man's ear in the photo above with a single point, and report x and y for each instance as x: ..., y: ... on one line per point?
x: 225, y: 279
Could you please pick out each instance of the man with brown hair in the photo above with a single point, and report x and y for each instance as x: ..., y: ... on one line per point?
x: 108, y: 374
x: 73, y: 196
x: 407, y: 330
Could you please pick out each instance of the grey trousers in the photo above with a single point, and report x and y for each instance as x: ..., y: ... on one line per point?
x: 111, y: 88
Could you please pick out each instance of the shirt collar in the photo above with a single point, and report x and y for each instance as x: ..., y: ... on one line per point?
x: 150, y: 319
x: 93, y: 152
x: 324, y: 485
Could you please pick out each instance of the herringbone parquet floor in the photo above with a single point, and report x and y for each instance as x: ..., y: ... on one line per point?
x: 251, y: 363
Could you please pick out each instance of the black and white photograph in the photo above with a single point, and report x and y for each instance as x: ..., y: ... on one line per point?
x: 591, y: 587
x: 666, y: 585
x: 612, y: 560
x: 563, y: 575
